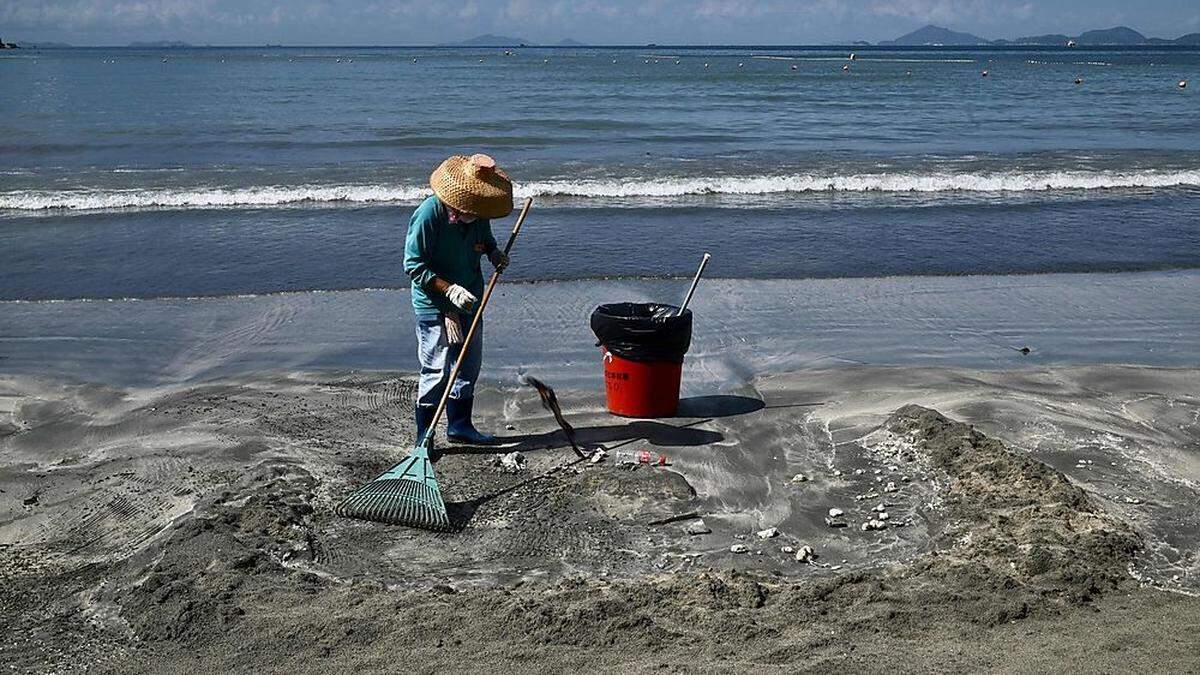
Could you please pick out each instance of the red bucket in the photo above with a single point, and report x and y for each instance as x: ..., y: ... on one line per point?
x: 636, y: 389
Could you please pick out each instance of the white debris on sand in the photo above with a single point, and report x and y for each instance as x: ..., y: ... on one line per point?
x: 598, y: 456
x: 835, y: 518
x: 513, y: 462
x: 799, y: 478
x: 805, y: 554
x: 768, y: 533
x: 739, y: 548
x: 697, y: 527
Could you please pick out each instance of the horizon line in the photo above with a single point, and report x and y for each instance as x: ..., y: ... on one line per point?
x: 861, y: 44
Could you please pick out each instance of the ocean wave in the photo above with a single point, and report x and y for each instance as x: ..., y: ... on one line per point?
x: 609, y: 188
x: 869, y: 182
x: 200, y: 198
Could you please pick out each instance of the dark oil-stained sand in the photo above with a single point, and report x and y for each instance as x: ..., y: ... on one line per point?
x: 179, y: 528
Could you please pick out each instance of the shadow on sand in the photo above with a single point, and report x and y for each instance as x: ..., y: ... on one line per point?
x: 615, y: 435
x: 609, y: 437
x: 718, y: 406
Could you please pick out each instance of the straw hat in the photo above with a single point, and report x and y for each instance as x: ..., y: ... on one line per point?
x: 473, y: 185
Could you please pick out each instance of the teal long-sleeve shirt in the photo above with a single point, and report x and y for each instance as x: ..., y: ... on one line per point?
x: 435, y: 247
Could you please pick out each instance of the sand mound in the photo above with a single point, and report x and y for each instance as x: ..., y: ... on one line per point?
x: 1014, y: 516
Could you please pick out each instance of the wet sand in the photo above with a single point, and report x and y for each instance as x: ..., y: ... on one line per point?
x: 743, y: 329
x: 171, y: 527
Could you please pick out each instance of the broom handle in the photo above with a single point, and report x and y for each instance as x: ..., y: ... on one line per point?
x: 696, y: 280
x: 487, y: 295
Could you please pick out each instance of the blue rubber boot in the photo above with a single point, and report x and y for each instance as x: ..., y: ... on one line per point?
x: 424, y: 416
x: 458, y: 423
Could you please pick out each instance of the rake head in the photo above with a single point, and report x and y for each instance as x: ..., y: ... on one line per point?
x: 406, y: 494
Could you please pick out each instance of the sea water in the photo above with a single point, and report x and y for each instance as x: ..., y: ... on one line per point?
x: 138, y: 173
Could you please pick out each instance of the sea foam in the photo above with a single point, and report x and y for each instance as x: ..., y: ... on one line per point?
x: 622, y: 188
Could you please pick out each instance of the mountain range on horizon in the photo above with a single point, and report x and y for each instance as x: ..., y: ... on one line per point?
x: 930, y: 35
x: 927, y: 36
x: 1121, y: 35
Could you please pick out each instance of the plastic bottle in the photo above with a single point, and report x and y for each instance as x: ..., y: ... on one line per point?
x: 640, y: 457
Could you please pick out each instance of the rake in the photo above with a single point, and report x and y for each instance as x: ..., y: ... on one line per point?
x: 408, y: 493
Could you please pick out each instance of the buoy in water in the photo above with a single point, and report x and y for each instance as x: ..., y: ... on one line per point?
x: 414, y: 59
x: 741, y: 65
x: 614, y: 60
x: 1079, y: 80
x: 853, y: 56
x: 846, y: 68
x: 706, y: 65
x: 1183, y: 84
x: 793, y: 67
x: 984, y: 73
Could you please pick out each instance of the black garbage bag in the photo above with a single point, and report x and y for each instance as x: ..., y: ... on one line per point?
x: 643, y: 331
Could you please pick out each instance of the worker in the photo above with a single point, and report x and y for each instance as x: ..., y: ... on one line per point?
x: 448, y: 234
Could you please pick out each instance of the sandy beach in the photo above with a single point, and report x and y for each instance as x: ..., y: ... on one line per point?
x: 174, y: 511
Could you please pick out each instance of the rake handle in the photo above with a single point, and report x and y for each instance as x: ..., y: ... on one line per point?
x: 462, y: 353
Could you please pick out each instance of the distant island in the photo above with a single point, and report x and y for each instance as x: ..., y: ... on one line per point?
x: 160, y: 44
x: 8, y: 45
x: 490, y: 40
x: 1120, y: 36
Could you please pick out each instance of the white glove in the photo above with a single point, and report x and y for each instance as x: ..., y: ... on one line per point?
x: 461, y: 297
x: 454, y: 332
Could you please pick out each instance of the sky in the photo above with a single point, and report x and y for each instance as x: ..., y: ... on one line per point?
x: 421, y: 22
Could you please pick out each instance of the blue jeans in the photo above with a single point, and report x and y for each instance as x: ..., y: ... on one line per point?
x: 437, y: 360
